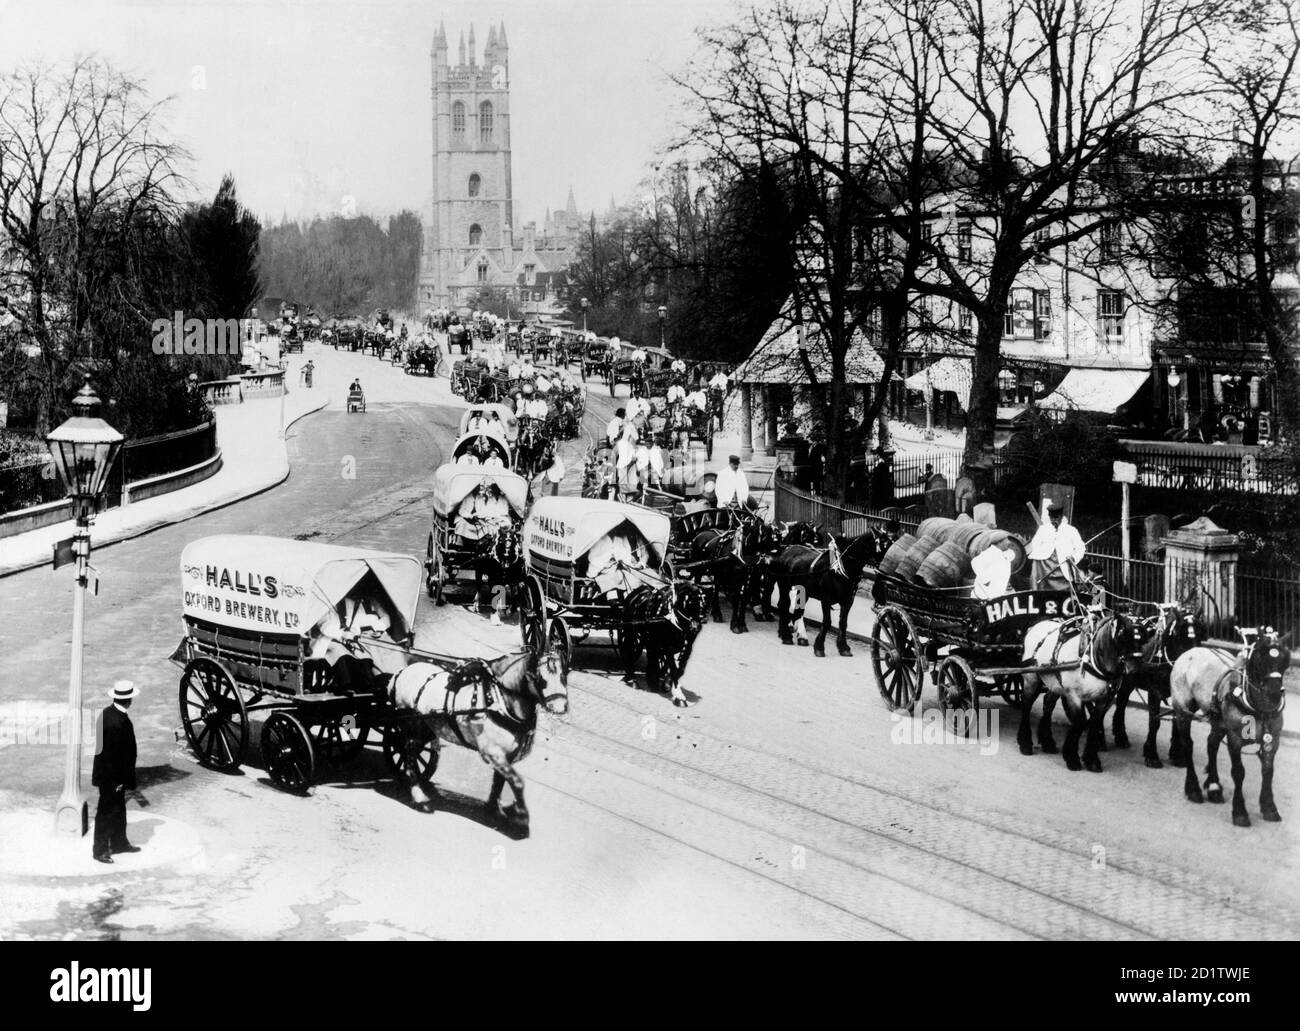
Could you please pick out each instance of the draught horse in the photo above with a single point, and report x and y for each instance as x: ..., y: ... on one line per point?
x: 487, y: 705
x: 830, y: 574
x: 730, y: 557
x: 1243, y: 701
x: 1169, y: 634
x: 1078, y: 660
x: 499, y: 561
x: 664, y: 620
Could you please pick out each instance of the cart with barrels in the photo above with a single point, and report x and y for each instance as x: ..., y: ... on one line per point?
x: 928, y: 623
x: 300, y: 637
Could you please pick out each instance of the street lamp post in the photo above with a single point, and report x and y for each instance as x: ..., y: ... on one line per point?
x: 83, y: 449
x: 585, y: 305
x: 663, y: 314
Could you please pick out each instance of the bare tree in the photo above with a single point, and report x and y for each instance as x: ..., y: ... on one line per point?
x: 80, y: 160
x: 1041, y: 98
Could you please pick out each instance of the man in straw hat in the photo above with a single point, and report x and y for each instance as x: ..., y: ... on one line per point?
x: 114, y: 773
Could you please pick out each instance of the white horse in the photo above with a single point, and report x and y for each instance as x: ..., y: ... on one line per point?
x: 1080, y: 661
x: 487, y: 705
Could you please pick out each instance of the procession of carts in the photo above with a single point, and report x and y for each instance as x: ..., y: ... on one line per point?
x: 294, y: 632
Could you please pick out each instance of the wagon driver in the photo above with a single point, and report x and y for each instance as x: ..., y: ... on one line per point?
x: 1055, y: 550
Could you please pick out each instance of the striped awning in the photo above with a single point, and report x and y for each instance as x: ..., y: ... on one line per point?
x: 947, y: 373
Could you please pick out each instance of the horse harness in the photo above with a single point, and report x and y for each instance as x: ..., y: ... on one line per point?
x: 1235, y: 683
x: 1087, y: 629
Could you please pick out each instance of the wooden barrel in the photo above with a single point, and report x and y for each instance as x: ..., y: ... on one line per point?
x: 981, y: 541
x: 946, y: 566
x: 915, y: 555
x: 889, y: 562
x: 935, y: 526
x: 962, y: 534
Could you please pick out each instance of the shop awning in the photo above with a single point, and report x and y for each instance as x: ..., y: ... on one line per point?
x: 1095, y: 390
x: 946, y: 374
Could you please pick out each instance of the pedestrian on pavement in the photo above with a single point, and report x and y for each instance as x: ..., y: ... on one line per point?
x: 882, y: 481
x: 114, y: 773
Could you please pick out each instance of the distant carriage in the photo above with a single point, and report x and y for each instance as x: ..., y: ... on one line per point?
x: 454, y: 545
x: 503, y: 414
x: 596, y: 358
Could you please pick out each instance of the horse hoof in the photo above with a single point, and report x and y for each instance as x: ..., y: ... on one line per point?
x: 736, y: 630
x: 717, y: 619
x: 1194, y: 796
x: 1026, y: 749
x: 441, y: 602
x: 1092, y: 765
x: 788, y: 640
x: 1215, y: 795
x: 1270, y: 815
x: 680, y: 703
x: 1073, y: 765
x: 846, y: 653
x: 426, y: 806
x: 1153, y: 763
x: 1049, y: 747
x: 1240, y: 820
x: 819, y: 653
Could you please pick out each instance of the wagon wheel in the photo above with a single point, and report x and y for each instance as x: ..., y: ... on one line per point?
x: 212, y: 710
x: 340, y: 740
x: 532, y: 617
x: 434, y: 572
x: 611, y: 380
x: 959, y: 695
x: 559, y: 639
x: 1010, y: 687
x: 395, y: 751
x: 287, y: 753
x: 896, y: 659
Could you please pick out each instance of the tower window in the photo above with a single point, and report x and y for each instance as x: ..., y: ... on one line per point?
x: 475, y: 235
x: 482, y: 271
x: 458, y: 119
x: 474, y: 183
x: 485, y: 121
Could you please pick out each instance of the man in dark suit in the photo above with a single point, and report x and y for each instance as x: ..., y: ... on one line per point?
x: 114, y: 773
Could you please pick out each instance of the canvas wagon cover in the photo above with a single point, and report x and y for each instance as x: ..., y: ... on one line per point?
x: 452, y: 484
x: 504, y: 413
x: 564, y: 529
x: 276, y: 585
x: 466, y: 444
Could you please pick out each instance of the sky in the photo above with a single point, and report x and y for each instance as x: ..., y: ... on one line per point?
x: 318, y: 106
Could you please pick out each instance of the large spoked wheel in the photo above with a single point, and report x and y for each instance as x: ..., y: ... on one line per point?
x: 959, y: 695
x: 532, y: 617
x: 434, y: 572
x: 611, y: 381
x: 213, y: 713
x: 1010, y: 687
x: 561, y: 644
x: 896, y: 659
x: 287, y: 753
x: 426, y: 759
x: 341, y: 739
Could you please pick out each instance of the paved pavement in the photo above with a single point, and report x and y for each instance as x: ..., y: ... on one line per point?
x: 786, y: 801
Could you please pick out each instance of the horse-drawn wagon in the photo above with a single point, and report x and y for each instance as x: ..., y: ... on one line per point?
x: 490, y: 417
x: 471, y: 504
x: 601, y: 566
x: 597, y: 355
x: 304, y: 634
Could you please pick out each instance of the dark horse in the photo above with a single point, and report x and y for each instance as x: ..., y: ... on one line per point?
x: 664, y: 620
x: 490, y: 706
x: 830, y: 574
x: 530, y: 446
x: 1243, y: 700
x: 1168, y: 634
x: 784, y: 535
x: 499, y: 561
x: 730, y: 558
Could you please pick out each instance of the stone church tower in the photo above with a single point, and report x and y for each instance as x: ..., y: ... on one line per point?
x: 469, y: 239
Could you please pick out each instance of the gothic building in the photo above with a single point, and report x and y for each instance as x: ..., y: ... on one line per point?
x: 472, y: 241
